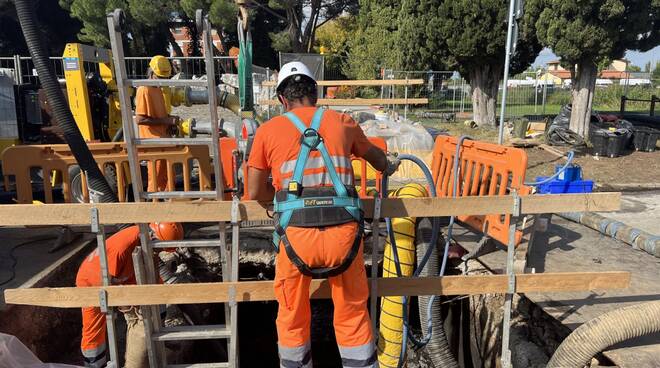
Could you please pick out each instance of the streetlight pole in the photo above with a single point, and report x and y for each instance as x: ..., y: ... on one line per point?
x: 510, y: 48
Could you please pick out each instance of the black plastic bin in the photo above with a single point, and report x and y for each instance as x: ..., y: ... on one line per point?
x: 645, y: 139
x: 609, y: 143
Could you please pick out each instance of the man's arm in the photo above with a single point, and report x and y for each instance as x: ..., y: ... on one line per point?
x: 376, y: 157
x: 259, y: 188
x: 146, y: 120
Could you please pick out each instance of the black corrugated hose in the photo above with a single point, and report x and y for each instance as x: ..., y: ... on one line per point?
x: 438, y: 346
x: 97, y: 182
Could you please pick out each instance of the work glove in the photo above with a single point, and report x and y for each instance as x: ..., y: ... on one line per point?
x: 393, y: 163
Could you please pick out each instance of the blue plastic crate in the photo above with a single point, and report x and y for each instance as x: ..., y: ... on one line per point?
x: 561, y: 186
x: 572, y: 172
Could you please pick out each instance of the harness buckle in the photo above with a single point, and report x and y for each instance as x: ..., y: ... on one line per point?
x: 311, y: 138
x: 294, y: 188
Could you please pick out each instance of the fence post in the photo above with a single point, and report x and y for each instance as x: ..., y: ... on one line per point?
x: 405, y: 96
x: 623, y: 104
x: 545, y: 90
x: 17, y: 69
x: 654, y: 98
x: 268, y: 92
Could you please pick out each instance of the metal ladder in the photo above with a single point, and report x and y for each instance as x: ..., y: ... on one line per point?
x: 145, y: 270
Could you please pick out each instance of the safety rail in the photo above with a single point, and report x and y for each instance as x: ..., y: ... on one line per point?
x: 236, y: 291
x: 486, y: 169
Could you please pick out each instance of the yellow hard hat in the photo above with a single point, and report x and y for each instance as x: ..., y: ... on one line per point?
x: 161, y: 66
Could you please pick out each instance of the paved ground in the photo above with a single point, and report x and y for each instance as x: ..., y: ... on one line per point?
x: 640, y: 210
x: 568, y: 246
x: 25, y: 256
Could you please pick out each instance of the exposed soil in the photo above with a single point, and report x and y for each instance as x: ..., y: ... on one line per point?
x: 631, y: 168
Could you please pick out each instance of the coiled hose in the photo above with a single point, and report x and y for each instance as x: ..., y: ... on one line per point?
x: 606, y: 330
x: 99, y: 187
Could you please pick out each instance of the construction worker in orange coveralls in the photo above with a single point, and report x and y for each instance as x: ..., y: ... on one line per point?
x: 119, y: 248
x: 153, y: 118
x: 318, y: 221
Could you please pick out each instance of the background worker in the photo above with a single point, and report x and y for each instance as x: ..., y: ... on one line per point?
x: 153, y: 118
x: 320, y: 239
x: 119, y: 248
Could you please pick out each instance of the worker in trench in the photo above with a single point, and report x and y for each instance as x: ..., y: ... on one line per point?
x: 119, y: 248
x: 319, y: 222
x: 152, y: 115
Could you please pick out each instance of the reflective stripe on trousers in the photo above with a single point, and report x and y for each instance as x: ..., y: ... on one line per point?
x: 296, y: 357
x: 96, y: 357
x: 359, y: 356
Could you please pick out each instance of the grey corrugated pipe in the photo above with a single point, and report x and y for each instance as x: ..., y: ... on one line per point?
x: 602, y: 332
x: 438, y: 346
x: 97, y: 183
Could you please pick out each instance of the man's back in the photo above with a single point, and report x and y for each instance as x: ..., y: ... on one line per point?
x: 277, y: 145
x: 120, y: 263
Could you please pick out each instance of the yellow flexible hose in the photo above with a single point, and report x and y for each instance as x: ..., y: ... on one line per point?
x: 391, y: 313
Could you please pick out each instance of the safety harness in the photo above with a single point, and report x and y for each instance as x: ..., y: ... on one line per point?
x: 315, y: 206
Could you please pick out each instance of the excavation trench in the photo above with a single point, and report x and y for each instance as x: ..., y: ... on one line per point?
x: 472, y: 324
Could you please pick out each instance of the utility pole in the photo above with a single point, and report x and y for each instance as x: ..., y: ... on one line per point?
x: 515, y: 9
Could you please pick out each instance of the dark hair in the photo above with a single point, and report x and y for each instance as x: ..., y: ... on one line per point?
x: 296, y: 88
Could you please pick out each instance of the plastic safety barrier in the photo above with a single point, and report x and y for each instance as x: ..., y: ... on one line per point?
x: 364, y: 173
x: 21, y: 163
x: 486, y: 169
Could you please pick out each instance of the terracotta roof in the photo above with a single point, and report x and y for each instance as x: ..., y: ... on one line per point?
x: 605, y: 74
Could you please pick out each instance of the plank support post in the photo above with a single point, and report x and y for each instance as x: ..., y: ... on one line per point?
x: 375, y: 233
x: 511, y: 284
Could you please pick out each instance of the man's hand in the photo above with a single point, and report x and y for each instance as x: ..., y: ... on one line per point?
x: 393, y: 163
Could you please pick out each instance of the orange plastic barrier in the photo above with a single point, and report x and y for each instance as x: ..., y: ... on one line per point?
x: 486, y: 169
x: 21, y: 163
x: 364, y: 173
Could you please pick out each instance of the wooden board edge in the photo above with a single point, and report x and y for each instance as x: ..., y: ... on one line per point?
x: 263, y: 290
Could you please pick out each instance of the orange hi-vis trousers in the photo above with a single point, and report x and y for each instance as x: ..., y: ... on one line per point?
x: 323, y: 247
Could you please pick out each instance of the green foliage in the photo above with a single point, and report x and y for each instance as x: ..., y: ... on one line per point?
x: 280, y: 41
x: 598, y: 30
x: 374, y: 44
x: 634, y: 68
x: 472, y: 34
x: 56, y: 25
x: 332, y: 38
x: 148, y: 22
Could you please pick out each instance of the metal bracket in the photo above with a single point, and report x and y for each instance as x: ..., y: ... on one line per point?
x: 94, y: 219
x: 515, y: 212
x: 511, y: 287
x: 234, y: 211
x: 103, y: 301
x: 231, y: 295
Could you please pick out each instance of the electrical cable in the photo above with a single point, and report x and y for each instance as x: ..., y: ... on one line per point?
x: 14, y: 261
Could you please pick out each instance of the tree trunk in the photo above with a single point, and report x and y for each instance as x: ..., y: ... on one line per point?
x: 582, y: 89
x: 484, y: 83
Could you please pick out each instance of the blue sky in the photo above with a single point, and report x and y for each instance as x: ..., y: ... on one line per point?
x: 636, y: 57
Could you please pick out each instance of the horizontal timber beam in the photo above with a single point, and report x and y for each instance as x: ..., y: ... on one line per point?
x: 359, y: 101
x: 208, y: 211
x: 248, y: 291
x: 360, y: 82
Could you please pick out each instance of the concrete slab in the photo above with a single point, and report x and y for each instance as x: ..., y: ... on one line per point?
x: 640, y: 210
x: 568, y: 246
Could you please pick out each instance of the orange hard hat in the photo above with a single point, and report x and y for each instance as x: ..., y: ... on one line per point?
x: 167, y: 230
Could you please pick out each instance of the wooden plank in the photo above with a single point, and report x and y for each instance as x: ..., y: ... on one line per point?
x: 213, y: 211
x: 263, y: 290
x: 359, y: 101
x: 359, y: 82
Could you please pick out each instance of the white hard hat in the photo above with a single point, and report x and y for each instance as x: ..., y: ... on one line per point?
x: 292, y: 69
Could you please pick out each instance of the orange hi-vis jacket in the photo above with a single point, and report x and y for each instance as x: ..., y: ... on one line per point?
x: 149, y: 101
x: 275, y: 148
x: 119, y: 248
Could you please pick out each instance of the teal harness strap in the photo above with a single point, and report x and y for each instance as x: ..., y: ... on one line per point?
x: 311, y: 140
